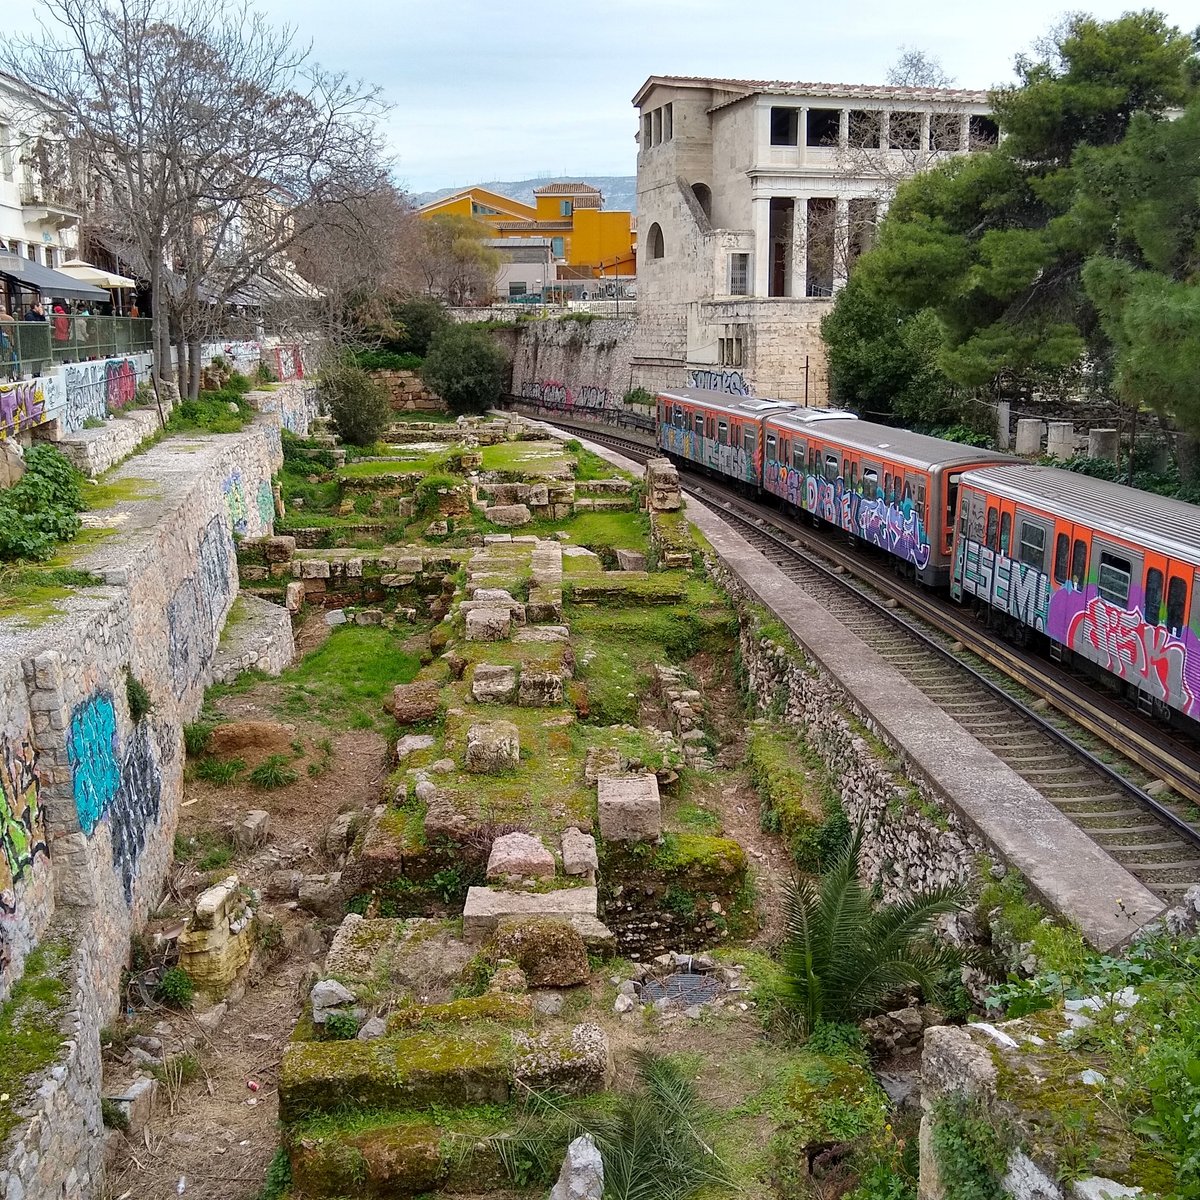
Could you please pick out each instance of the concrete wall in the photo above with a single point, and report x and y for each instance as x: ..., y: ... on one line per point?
x: 89, y: 798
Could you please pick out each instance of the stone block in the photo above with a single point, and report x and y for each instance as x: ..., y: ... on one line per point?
x: 493, y: 684
x: 629, y: 808
x: 579, y: 854
x: 540, y: 689
x: 1103, y: 443
x: 396, y: 579
x: 488, y: 624
x: 543, y: 633
x: 539, y: 495
x: 631, y: 560
x: 493, y: 748
x: 574, y: 1064
x: 582, y: 1173
x: 410, y: 743
x: 314, y: 568
x: 409, y: 564
x: 545, y: 603
x: 369, y: 616
x: 520, y: 854
x: 496, y: 539
x: 549, y: 950
x: 137, y: 1103
x: 508, y: 514
x: 254, y: 830
x: 413, y: 702
x: 322, y: 894
x: 278, y: 548
x: 1029, y: 435
x: 293, y: 597
x: 485, y: 907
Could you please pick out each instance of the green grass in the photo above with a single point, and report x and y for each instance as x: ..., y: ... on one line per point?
x: 345, y: 681
x: 273, y: 773
x: 29, y: 1027
x: 589, y: 466
x: 110, y: 493
x: 393, y: 466
x: 525, y: 458
x: 221, y: 771
x: 34, y: 594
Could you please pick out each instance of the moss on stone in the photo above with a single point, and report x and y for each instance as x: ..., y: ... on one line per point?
x: 550, y: 952
x: 502, y: 1008
x: 699, y: 859
x: 30, y: 1027
x: 393, y: 1072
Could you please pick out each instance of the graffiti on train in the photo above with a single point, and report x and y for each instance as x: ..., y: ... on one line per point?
x: 720, y: 456
x: 1014, y: 587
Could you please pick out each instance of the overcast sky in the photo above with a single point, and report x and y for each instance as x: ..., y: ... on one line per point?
x: 488, y: 91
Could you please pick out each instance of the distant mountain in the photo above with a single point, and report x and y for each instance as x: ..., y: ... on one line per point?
x: 620, y: 191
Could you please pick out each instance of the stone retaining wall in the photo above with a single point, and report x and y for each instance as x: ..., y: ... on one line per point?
x: 95, y: 792
x: 296, y: 402
x: 407, y: 392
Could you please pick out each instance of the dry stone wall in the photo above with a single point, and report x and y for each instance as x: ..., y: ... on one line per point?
x: 89, y: 795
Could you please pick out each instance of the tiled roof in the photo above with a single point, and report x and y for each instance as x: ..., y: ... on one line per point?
x: 565, y: 189
x: 847, y: 91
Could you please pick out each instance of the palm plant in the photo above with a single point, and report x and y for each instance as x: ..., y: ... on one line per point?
x: 845, y: 954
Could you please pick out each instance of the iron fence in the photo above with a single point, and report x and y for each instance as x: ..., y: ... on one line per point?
x: 34, y: 347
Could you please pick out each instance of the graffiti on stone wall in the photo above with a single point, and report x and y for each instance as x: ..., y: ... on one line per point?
x: 135, y: 806
x: 288, y: 363
x: 22, y: 404
x: 94, y: 389
x: 1005, y: 583
x: 22, y: 828
x: 557, y: 396
x: 92, y: 753
x: 235, y: 500
x: 195, y: 610
x: 732, y: 383
x: 266, y: 504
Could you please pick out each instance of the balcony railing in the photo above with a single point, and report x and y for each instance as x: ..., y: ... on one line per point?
x: 34, y: 347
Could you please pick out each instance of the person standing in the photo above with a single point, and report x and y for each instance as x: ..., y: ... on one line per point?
x: 35, y: 311
x: 62, y: 323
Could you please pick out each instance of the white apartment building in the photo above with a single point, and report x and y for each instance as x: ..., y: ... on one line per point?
x: 754, y: 199
x: 38, y: 220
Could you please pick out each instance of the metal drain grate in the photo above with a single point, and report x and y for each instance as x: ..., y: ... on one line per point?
x: 683, y: 987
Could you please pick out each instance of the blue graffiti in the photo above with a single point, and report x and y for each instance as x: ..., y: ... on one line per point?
x: 92, y: 753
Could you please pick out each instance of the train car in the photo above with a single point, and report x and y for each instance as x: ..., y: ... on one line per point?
x: 890, y: 487
x: 1109, y: 574
x: 722, y: 433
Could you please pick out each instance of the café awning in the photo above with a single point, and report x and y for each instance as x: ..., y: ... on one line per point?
x: 85, y: 272
x: 49, y: 283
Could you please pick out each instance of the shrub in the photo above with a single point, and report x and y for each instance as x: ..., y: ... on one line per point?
x: 466, y: 368
x: 113, y: 1115
x: 279, y: 1177
x: 139, y: 700
x: 385, y: 360
x: 843, y: 957
x: 357, y: 403
x: 175, y: 987
x: 341, y: 1027
x: 40, y: 510
x: 421, y: 319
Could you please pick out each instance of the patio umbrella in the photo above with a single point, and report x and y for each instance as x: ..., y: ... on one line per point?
x: 79, y: 269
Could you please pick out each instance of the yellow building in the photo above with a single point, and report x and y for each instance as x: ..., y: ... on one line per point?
x: 585, y: 241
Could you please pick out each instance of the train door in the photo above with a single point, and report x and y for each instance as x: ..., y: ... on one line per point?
x: 831, y: 469
x: 698, y: 436
x: 795, y: 479
x: 752, y: 466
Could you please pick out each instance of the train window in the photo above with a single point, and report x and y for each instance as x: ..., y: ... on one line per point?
x: 1005, y: 532
x: 1079, y: 564
x: 1062, y: 555
x: 951, y: 503
x: 748, y: 437
x: 1176, y: 604
x: 679, y: 418
x: 852, y: 478
x: 770, y: 445
x: 992, y: 522
x: 1112, y: 579
x: 921, y: 500
x: 1152, y: 601
x: 870, y: 482
x: 723, y: 432
x: 798, y: 451
x: 1033, y: 545
x: 812, y: 460
x: 832, y: 467
x: 699, y: 426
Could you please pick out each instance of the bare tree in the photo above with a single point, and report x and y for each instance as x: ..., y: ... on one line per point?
x: 203, y: 134
x: 915, y: 68
x: 450, y: 259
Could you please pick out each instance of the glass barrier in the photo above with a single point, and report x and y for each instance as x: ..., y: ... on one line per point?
x: 34, y: 347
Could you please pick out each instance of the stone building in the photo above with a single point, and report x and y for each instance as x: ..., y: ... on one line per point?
x: 754, y: 199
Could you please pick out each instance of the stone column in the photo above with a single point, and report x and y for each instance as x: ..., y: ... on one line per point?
x: 1060, y: 439
x: 1103, y: 443
x: 1003, y: 415
x: 841, y: 241
x: 925, y: 115
x: 800, y: 247
x: 761, y: 208
x: 1029, y: 435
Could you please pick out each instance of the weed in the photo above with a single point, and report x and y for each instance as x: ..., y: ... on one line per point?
x: 279, y: 1177
x: 113, y: 1115
x: 341, y: 1027
x: 175, y: 988
x: 221, y: 771
x: 196, y: 737
x: 273, y: 773
x: 139, y: 700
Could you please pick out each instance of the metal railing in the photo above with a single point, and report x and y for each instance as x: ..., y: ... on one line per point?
x: 34, y: 347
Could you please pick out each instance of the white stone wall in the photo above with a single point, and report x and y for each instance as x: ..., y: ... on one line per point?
x: 572, y: 366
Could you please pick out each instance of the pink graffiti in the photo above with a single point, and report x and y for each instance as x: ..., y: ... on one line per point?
x: 120, y: 385
x: 21, y: 404
x: 1132, y: 648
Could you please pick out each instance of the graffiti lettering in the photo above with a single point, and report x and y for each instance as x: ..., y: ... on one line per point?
x: 92, y: 753
x: 266, y: 504
x: 22, y: 830
x: 1013, y: 587
x: 728, y: 459
x: 135, y: 806
x: 195, y: 611
x: 96, y: 388
x: 120, y: 385
x: 235, y: 500
x: 733, y: 383
x: 1144, y: 654
x: 22, y: 404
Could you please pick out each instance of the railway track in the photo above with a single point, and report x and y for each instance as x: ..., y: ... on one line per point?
x: 1093, y: 762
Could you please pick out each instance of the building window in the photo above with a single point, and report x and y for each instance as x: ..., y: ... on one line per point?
x: 982, y: 133
x: 945, y: 131
x: 655, y: 241
x: 668, y: 122
x: 482, y: 210
x: 516, y: 289
x: 647, y: 131
x: 703, y: 195
x: 6, y: 155
x: 657, y: 116
x: 904, y: 131
x: 556, y: 247
x: 739, y: 274
x: 823, y: 127
x: 863, y: 129
x: 785, y: 126
x: 565, y: 208
x: 730, y: 351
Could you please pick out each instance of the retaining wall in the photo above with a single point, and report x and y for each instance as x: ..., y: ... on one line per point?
x: 89, y: 796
